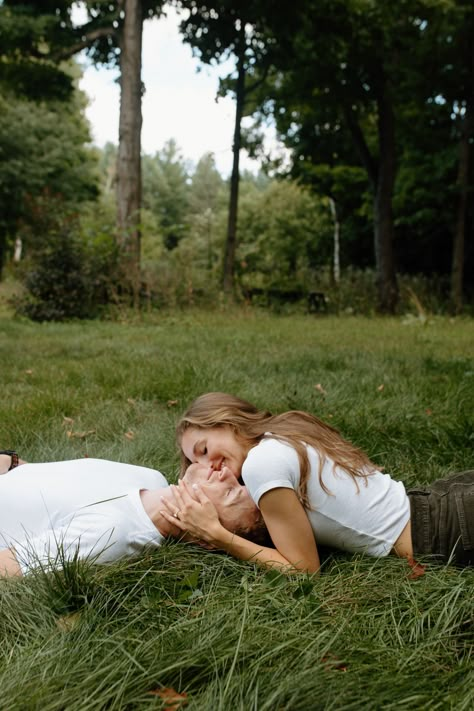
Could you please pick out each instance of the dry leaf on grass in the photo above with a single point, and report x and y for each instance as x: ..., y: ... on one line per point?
x: 173, y: 699
x: 79, y: 435
x: 129, y: 435
x: 332, y: 663
x: 320, y: 389
x: 380, y: 387
x: 67, y: 420
x: 172, y: 403
x: 67, y: 623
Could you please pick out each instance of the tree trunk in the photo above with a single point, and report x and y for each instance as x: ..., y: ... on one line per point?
x: 336, y: 270
x: 129, y: 150
x: 231, y: 242
x: 383, y: 219
x: 3, y: 243
x: 382, y: 179
x: 457, y: 270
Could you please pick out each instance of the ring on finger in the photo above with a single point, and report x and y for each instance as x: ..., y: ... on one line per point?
x: 176, y: 514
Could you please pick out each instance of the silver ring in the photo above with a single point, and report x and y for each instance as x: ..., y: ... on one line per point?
x: 176, y: 514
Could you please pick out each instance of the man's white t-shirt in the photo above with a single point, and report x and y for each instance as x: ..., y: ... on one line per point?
x: 366, y: 515
x: 91, y: 508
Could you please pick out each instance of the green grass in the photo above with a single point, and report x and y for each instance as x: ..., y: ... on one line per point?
x: 361, y: 635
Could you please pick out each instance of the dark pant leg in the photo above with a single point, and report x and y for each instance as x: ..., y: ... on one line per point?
x: 442, y: 519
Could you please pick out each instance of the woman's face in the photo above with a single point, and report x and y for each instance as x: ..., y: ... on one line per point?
x: 216, y: 447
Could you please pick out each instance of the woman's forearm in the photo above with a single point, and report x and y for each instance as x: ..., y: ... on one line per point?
x: 243, y: 549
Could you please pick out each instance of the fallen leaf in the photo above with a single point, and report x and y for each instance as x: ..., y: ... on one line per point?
x: 380, y: 387
x: 29, y: 371
x: 428, y: 411
x: 417, y: 569
x: 68, y: 421
x: 129, y: 435
x: 131, y: 401
x: 79, y: 435
x: 66, y: 623
x: 320, y: 389
x: 332, y: 663
x: 172, y: 699
x: 172, y: 403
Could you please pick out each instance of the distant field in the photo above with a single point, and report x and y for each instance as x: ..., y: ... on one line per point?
x: 361, y: 635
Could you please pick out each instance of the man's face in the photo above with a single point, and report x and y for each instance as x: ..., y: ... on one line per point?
x: 235, y: 508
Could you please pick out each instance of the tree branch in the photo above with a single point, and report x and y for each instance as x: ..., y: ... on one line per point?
x: 258, y: 82
x: 362, y: 148
x: 86, y: 41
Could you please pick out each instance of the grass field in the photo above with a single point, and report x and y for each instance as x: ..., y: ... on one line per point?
x: 361, y: 635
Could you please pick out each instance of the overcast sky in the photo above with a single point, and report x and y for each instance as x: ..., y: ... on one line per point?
x: 179, y: 102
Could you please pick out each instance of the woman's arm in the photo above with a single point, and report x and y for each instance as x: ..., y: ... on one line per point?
x: 199, y: 518
x: 289, y: 528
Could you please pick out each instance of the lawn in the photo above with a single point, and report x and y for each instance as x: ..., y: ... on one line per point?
x: 361, y: 635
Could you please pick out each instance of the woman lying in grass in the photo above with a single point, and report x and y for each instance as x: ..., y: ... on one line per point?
x: 313, y: 487
x: 95, y: 509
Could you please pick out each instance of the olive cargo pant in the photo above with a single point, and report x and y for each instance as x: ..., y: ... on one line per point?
x: 442, y: 519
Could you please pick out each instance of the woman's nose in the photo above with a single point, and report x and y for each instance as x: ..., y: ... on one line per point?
x: 224, y: 474
x: 216, y: 463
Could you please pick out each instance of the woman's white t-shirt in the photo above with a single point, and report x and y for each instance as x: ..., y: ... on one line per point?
x: 366, y: 515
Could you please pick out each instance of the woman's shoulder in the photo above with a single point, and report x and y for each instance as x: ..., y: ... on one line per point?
x: 270, y: 449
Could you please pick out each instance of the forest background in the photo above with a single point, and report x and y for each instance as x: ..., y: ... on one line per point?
x: 371, y: 210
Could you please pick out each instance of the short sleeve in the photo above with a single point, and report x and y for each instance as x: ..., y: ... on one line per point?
x: 270, y: 465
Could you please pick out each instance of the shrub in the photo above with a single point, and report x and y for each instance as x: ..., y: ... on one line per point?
x: 67, y: 275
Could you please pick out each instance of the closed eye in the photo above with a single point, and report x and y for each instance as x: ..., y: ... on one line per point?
x: 200, y: 449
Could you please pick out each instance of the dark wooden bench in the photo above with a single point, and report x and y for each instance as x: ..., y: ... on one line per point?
x: 316, y: 301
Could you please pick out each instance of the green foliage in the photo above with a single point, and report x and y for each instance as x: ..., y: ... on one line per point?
x: 43, y: 148
x: 67, y: 275
x: 285, y: 233
x: 166, y: 191
x: 30, y: 35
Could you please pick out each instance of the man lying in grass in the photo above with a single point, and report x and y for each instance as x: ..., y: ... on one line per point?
x: 95, y: 509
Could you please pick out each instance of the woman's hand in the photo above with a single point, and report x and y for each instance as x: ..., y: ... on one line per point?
x: 193, y: 513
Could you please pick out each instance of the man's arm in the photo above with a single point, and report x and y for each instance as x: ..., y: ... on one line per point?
x: 9, y: 565
x: 9, y: 460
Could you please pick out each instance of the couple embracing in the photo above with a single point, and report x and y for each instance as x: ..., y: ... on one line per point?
x: 262, y: 487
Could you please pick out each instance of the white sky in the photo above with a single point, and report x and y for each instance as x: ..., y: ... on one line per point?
x: 179, y: 102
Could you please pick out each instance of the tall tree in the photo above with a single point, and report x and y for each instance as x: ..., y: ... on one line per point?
x: 349, y: 58
x: 129, y: 177
x: 217, y: 30
x: 454, y: 82
x: 44, y: 35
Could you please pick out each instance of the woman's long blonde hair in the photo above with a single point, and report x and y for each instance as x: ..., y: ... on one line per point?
x: 295, y: 427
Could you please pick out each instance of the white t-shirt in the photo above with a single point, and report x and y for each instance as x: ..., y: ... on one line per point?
x: 86, y: 507
x: 367, y: 519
